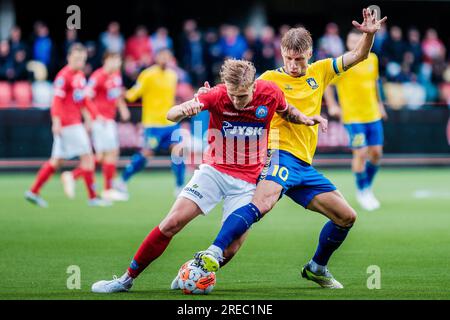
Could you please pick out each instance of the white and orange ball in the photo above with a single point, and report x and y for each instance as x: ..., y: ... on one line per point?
x: 194, y: 280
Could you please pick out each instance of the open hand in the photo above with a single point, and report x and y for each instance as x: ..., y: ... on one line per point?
x: 370, y: 23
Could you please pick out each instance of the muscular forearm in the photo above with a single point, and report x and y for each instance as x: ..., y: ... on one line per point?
x: 176, y: 113
x: 360, y: 53
x: 293, y: 115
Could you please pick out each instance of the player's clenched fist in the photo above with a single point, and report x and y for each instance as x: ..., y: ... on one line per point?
x: 192, y: 108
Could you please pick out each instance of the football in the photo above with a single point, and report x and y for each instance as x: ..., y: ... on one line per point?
x: 194, y: 280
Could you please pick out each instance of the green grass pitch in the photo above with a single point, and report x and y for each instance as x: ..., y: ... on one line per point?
x: 408, y: 239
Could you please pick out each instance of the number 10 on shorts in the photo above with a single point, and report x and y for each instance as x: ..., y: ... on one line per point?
x: 281, y: 172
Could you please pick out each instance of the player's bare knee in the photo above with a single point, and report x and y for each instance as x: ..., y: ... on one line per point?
x: 348, y: 218
x: 375, y: 155
x: 170, y: 226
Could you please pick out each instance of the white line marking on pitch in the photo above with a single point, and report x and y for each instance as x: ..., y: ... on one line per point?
x: 423, y: 194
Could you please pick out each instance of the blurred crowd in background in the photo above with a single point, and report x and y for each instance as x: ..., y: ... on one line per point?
x: 414, y: 64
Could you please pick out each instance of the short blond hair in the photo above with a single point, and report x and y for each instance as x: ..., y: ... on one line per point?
x: 297, y: 40
x: 238, y: 73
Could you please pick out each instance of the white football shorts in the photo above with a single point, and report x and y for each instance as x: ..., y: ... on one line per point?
x: 72, y: 142
x: 209, y: 186
x: 105, y: 136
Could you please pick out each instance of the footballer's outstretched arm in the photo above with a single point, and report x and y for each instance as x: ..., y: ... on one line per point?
x: 292, y: 114
x: 369, y: 27
x: 186, y: 109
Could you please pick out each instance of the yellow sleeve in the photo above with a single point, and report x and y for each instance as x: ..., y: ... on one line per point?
x: 330, y: 68
x: 136, y: 91
x: 375, y: 63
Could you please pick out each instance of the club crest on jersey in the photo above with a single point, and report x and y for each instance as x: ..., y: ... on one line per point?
x: 261, y: 112
x: 312, y: 83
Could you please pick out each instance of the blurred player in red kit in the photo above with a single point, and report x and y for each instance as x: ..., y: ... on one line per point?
x: 70, y: 138
x: 104, y: 97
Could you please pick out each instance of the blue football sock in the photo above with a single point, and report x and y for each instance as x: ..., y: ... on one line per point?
x: 138, y: 162
x: 179, y: 170
x: 236, y: 225
x: 361, y: 180
x: 331, y: 237
x: 371, y: 171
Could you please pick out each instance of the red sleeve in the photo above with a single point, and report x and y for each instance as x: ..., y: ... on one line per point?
x: 60, y: 87
x: 91, y: 107
x: 57, y: 105
x: 209, y: 99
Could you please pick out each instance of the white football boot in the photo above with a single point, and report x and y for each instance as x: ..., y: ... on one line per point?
x: 208, y: 260
x: 36, y: 199
x: 373, y: 200
x: 114, y: 195
x: 364, y: 200
x: 98, y: 202
x: 324, y: 279
x: 112, y: 286
x: 120, y: 185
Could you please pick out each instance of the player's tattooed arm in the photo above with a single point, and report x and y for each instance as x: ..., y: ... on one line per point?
x: 293, y: 115
x: 368, y: 27
x: 186, y: 109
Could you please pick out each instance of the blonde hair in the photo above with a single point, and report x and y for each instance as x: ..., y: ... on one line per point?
x: 238, y: 73
x: 297, y: 40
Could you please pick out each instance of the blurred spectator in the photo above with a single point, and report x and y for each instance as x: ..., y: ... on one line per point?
x: 15, y: 40
x: 232, y: 43
x: 415, y: 95
x: 277, y: 43
x: 330, y: 44
x: 432, y: 46
x: 71, y: 38
x: 393, y: 52
x: 213, y: 55
x: 254, y: 46
x: 42, y: 89
x: 19, y: 70
x: 394, y: 47
x: 193, y: 59
x: 94, y: 60
x: 189, y: 26
x: 380, y: 38
x: 161, y: 40
x: 12, y: 64
x: 415, y: 48
x: 5, y: 59
x: 42, y: 45
x: 268, y: 49
x: 112, y: 40
x: 138, y: 47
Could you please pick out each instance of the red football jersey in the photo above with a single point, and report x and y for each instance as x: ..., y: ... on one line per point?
x: 69, y: 96
x: 103, y: 90
x: 237, y: 139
